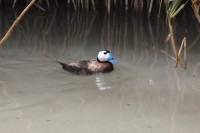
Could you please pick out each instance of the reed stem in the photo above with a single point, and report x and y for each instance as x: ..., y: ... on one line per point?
x: 173, y: 42
x: 150, y: 8
x: 93, y: 4
x: 196, y: 7
x: 16, y: 21
x: 75, y: 7
x: 185, y: 56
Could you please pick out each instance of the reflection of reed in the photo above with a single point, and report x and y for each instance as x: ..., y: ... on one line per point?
x: 78, y: 30
x: 37, y: 32
x: 125, y: 33
x: 177, y: 82
x: 71, y: 32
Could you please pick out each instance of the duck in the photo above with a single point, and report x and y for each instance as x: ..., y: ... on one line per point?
x: 102, y: 64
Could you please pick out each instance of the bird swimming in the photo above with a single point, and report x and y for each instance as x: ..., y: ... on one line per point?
x: 102, y: 64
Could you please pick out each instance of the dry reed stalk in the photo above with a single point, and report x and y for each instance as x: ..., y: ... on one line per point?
x: 93, y: 4
x: 172, y: 10
x: 16, y: 21
x: 183, y: 44
x: 14, y: 2
x: 150, y: 8
x: 168, y: 37
x: 173, y: 44
x: 196, y: 7
x: 185, y: 56
x: 164, y: 52
x: 159, y: 8
x: 39, y: 7
x: 181, y: 47
x: 75, y: 8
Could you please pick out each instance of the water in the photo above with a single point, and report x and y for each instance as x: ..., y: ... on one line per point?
x: 143, y: 94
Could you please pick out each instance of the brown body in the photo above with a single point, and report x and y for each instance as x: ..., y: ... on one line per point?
x: 88, y: 67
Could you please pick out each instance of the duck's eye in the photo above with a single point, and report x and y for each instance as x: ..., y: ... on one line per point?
x: 105, y: 53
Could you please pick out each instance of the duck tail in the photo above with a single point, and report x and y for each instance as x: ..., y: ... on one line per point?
x: 56, y: 61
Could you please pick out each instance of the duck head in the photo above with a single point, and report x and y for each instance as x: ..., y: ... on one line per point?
x: 104, y: 56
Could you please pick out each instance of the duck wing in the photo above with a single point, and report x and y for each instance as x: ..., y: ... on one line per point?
x: 78, y: 67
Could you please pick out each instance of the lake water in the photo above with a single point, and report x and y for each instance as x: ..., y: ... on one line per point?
x: 144, y: 94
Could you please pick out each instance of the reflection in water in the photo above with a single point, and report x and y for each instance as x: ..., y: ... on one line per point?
x: 102, y: 83
x: 75, y: 32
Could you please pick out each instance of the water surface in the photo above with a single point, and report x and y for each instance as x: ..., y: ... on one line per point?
x: 143, y: 94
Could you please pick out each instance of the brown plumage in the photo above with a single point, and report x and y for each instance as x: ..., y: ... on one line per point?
x: 86, y: 66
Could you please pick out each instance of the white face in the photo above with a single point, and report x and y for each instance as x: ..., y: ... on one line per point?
x: 103, y: 56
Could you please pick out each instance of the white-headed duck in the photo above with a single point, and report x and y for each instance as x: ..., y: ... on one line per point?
x: 102, y: 64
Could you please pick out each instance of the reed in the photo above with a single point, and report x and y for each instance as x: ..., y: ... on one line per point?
x: 172, y: 9
x: 196, y: 7
x: 150, y: 8
x: 160, y: 4
x: 127, y: 4
x: 16, y: 21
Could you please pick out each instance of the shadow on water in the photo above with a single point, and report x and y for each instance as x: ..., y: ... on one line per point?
x: 143, y: 94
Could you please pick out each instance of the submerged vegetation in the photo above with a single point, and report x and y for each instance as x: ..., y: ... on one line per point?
x: 171, y: 8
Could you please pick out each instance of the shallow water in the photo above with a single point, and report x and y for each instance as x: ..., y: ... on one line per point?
x: 143, y: 94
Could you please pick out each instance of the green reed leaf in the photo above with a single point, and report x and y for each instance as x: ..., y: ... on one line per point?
x: 177, y: 11
x: 175, y: 6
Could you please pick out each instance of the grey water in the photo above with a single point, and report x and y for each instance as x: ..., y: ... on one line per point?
x: 144, y: 94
